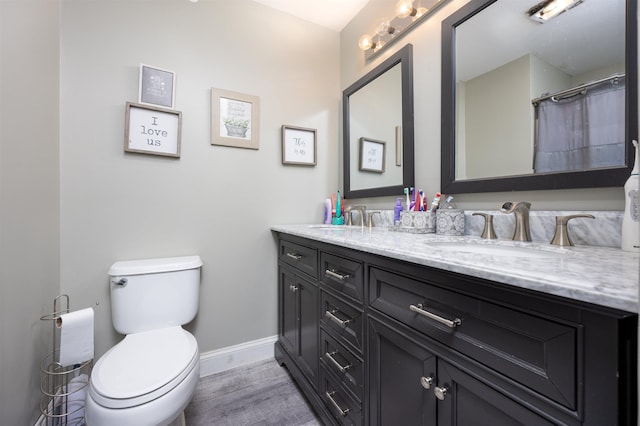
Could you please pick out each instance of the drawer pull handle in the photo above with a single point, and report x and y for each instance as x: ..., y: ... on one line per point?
x: 335, y: 404
x: 336, y: 363
x: 441, y: 392
x: 334, y: 274
x: 449, y: 323
x: 426, y: 382
x: 332, y: 317
x: 294, y: 256
x: 293, y: 288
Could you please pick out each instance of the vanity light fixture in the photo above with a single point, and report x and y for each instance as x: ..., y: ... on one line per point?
x: 548, y: 9
x: 408, y: 14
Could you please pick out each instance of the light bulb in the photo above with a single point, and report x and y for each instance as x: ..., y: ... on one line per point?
x: 383, y: 26
x: 405, y: 8
x: 366, y: 42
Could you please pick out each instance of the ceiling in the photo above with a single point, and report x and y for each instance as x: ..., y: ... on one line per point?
x: 332, y: 14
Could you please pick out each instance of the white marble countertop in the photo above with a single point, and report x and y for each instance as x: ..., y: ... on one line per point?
x: 600, y: 275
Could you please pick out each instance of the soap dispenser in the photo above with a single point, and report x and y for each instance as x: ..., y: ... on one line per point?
x: 397, y: 210
x: 631, y: 218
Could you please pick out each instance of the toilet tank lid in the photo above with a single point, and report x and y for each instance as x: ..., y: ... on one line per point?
x: 151, y: 266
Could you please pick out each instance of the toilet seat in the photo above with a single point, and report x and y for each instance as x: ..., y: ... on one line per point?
x: 143, y: 367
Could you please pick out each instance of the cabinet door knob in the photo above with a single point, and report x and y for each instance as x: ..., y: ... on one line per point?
x: 293, y: 288
x: 441, y: 392
x: 426, y: 382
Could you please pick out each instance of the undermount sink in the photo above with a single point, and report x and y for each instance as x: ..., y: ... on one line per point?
x: 327, y: 226
x: 499, y: 250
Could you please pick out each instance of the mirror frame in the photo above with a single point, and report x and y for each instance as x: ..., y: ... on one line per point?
x: 404, y: 57
x: 610, y: 177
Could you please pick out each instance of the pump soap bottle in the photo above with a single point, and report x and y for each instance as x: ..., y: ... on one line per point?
x: 631, y: 218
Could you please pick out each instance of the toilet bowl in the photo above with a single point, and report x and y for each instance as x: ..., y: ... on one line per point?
x: 149, y: 377
x: 146, y: 379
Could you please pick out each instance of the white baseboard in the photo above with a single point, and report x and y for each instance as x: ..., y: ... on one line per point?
x: 235, y: 356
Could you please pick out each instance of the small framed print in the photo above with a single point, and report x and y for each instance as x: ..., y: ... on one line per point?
x: 152, y: 130
x: 372, y: 155
x: 298, y: 146
x: 156, y: 86
x: 235, y: 119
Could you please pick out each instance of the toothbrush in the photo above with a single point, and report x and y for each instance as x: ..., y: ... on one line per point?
x: 421, y: 201
x: 436, y: 201
x: 406, y: 193
x: 416, y: 202
x: 412, y: 204
x: 446, y: 201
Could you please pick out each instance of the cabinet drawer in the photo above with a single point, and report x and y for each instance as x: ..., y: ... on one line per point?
x: 300, y: 257
x: 344, y: 407
x: 538, y: 352
x: 342, y: 275
x: 343, y: 363
x: 341, y: 320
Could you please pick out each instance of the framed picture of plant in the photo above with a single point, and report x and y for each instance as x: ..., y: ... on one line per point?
x: 235, y: 119
x: 372, y: 155
x: 298, y: 146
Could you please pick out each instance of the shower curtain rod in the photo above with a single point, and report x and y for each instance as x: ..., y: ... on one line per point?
x: 577, y: 89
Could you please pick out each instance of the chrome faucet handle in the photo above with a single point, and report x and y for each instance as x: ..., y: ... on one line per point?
x: 371, y: 214
x: 347, y: 216
x: 561, y: 236
x: 361, y: 211
x: 488, y: 232
x: 521, y: 211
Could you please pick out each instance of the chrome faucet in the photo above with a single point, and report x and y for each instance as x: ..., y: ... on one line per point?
x: 521, y: 210
x: 361, y: 211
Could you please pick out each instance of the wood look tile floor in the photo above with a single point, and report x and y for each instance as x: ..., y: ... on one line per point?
x: 261, y: 393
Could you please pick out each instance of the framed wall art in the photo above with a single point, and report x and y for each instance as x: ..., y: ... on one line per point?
x: 152, y: 130
x: 156, y: 86
x: 298, y: 146
x: 235, y: 119
x: 372, y: 155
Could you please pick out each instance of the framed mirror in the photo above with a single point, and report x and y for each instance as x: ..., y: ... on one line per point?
x: 378, y: 109
x: 502, y: 65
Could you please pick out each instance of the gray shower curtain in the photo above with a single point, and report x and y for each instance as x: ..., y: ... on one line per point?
x: 584, y: 131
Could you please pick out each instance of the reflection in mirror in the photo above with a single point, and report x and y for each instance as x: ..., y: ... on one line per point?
x: 378, y: 129
x: 543, y: 107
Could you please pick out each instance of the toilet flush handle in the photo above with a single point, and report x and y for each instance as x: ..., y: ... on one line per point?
x: 121, y: 282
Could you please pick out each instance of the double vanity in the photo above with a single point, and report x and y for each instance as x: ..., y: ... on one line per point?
x: 380, y: 327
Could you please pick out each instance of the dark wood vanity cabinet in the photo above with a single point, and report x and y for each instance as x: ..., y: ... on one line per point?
x: 404, y: 344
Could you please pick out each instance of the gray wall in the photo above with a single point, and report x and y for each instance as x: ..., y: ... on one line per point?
x: 426, y: 39
x: 29, y: 199
x: 73, y: 202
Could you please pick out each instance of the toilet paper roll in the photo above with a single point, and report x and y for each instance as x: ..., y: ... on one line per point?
x: 76, y: 337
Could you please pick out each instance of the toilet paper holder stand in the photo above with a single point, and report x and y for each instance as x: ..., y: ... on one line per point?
x: 63, y: 388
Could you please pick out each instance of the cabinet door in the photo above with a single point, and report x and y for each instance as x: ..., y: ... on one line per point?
x: 466, y: 401
x: 308, y: 328
x: 401, y: 378
x: 288, y: 311
x: 299, y: 321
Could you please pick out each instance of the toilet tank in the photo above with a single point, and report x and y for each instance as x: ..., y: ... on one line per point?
x: 154, y: 293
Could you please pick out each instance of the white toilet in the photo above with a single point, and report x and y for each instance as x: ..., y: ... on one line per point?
x: 150, y: 376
